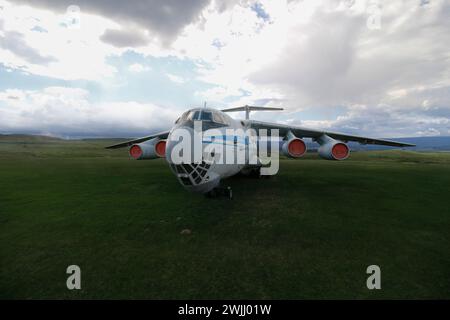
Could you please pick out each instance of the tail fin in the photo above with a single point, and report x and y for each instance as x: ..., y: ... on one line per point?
x: 247, y: 109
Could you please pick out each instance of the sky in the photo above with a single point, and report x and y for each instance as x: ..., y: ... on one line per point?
x: 110, y: 68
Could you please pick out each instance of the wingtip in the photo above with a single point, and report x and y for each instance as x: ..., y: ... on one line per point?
x: 407, y: 145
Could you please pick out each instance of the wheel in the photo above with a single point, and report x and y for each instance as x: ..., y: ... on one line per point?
x: 256, y: 173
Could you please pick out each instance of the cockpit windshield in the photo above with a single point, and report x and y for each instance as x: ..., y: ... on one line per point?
x: 194, y: 115
x: 200, y: 115
x: 212, y: 117
x: 206, y: 116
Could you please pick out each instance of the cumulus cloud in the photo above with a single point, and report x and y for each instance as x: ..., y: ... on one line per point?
x: 175, y: 78
x: 137, y: 67
x: 388, y: 79
x: 384, y: 121
x: 163, y: 18
x: 125, y: 38
x: 62, y: 52
x: 64, y: 111
x: 338, y: 60
x: 14, y: 42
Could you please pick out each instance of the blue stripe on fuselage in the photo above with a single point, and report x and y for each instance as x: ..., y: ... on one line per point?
x: 224, y: 139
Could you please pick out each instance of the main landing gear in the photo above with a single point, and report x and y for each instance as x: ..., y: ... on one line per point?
x: 254, y: 173
x: 220, y: 192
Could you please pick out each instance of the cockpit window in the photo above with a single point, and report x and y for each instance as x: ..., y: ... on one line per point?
x: 200, y: 115
x: 194, y: 115
x: 206, y: 116
x: 183, y: 117
x: 211, y: 118
x: 217, y: 118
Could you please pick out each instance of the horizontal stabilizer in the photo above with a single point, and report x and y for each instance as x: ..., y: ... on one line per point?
x: 247, y: 109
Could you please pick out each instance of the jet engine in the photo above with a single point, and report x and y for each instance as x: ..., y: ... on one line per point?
x: 151, y: 149
x: 294, y: 147
x: 332, y: 149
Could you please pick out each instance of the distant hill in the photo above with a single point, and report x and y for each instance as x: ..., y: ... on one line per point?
x: 422, y: 144
x: 24, y: 138
x: 437, y: 143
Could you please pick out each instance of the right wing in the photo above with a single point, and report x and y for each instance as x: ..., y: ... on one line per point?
x: 162, y: 135
x: 302, y: 132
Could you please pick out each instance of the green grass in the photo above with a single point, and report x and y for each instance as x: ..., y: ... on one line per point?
x: 309, y: 232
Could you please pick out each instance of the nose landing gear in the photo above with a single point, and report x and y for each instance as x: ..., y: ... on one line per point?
x: 220, y: 192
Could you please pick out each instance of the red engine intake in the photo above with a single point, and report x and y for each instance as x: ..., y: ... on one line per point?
x: 332, y: 149
x: 151, y: 149
x: 340, y: 151
x: 160, y: 148
x: 136, y: 151
x: 294, y: 148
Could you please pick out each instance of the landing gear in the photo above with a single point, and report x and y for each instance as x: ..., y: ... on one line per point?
x: 256, y: 173
x: 220, y: 192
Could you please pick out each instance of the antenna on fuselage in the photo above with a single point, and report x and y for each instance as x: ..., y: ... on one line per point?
x: 248, y: 108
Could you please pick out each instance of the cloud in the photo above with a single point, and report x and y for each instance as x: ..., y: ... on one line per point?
x: 384, y: 74
x: 64, y: 111
x: 14, y: 42
x: 137, y: 68
x: 162, y: 18
x: 314, y: 65
x: 63, y: 52
x: 175, y: 78
x: 334, y: 58
x: 125, y: 38
x: 384, y: 121
x: 323, y: 56
x: 217, y: 94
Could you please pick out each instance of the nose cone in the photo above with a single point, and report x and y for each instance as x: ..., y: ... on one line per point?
x: 196, y: 176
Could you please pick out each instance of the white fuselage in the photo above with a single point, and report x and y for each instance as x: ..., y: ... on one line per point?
x: 218, y: 139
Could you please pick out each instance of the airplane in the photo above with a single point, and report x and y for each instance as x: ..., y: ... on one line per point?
x: 205, y: 175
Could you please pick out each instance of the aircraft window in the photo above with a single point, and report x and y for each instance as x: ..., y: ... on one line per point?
x: 218, y: 118
x: 210, y: 119
x: 183, y: 117
x: 206, y: 116
x: 194, y: 115
x: 226, y: 118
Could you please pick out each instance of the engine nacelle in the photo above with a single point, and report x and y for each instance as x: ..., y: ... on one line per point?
x: 152, y: 149
x: 332, y: 149
x: 294, y: 147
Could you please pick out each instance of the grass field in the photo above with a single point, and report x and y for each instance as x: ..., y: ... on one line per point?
x: 309, y: 232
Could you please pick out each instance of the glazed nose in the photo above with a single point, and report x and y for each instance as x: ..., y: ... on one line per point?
x: 192, y: 174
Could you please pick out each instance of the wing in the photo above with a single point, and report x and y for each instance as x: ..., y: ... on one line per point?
x: 161, y: 135
x: 310, y: 133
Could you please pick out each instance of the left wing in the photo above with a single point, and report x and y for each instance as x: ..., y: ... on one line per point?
x: 162, y: 135
x: 315, y: 134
